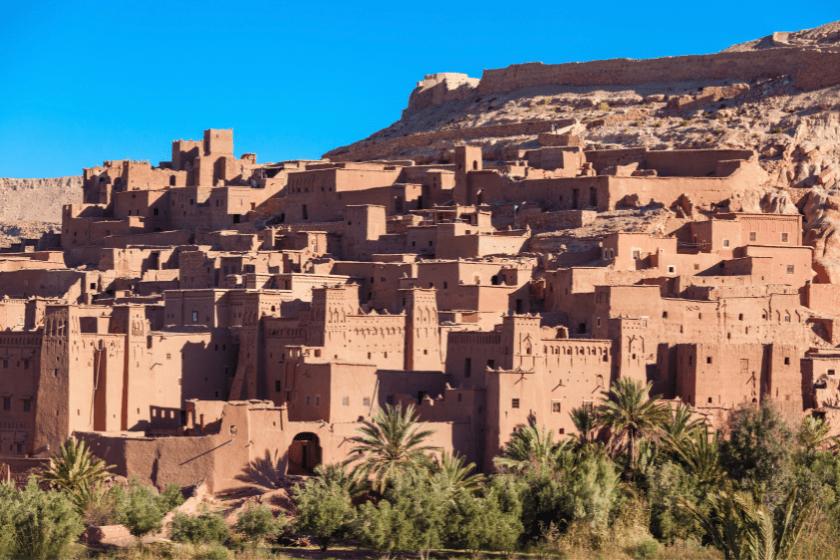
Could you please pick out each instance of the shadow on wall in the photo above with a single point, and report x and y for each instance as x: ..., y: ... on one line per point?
x: 266, y: 471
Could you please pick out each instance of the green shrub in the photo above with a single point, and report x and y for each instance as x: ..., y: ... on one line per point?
x: 603, y: 106
x: 217, y: 552
x: 171, y: 497
x: 323, y: 509
x: 36, y: 523
x: 257, y: 523
x: 777, y: 130
x: 207, y: 527
x: 646, y: 550
x: 142, y: 510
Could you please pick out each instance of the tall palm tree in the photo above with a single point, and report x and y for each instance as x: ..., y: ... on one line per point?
x: 390, y: 442
x: 456, y: 476
x: 585, y: 420
x: 813, y: 433
x: 701, y: 454
x: 681, y: 425
x: 631, y: 415
x: 742, y: 527
x: 74, y: 468
x: 531, y: 448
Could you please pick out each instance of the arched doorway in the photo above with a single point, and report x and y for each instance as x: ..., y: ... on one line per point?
x: 304, y: 454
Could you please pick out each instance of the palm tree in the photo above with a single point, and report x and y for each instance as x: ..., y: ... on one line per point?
x: 531, y: 448
x: 701, y: 454
x: 681, y: 425
x: 455, y: 475
x: 630, y: 414
x: 389, y: 443
x: 813, y: 433
x: 586, y: 423
x: 741, y: 526
x: 74, y: 469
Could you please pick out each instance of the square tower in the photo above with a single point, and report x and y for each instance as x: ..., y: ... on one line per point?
x: 467, y: 158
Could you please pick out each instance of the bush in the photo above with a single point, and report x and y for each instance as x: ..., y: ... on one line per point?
x: 777, y: 130
x: 36, y: 523
x: 257, y: 523
x: 170, y: 498
x: 646, y: 550
x: 603, y: 106
x: 207, y: 527
x: 759, y: 450
x: 217, y: 552
x: 140, y: 510
x: 323, y: 509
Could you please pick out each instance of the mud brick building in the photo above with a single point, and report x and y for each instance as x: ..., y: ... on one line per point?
x: 211, y: 312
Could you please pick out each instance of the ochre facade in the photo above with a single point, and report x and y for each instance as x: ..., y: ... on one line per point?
x: 214, y: 317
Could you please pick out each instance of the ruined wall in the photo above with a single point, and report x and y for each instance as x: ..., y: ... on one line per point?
x: 811, y: 70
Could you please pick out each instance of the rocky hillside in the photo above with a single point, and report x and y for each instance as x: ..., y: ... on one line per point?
x: 31, y: 200
x: 30, y: 207
x: 739, y: 101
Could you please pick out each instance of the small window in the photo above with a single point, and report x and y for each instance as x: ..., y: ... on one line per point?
x: 345, y: 401
x: 740, y: 316
x: 672, y: 269
x: 696, y: 266
x: 637, y: 254
x: 787, y: 361
x: 5, y: 364
x: 790, y: 269
x: 708, y: 359
x: 726, y: 243
x: 784, y: 237
x: 664, y: 314
x: 514, y: 403
x: 195, y: 316
x: 467, y: 367
x: 366, y: 401
x: 27, y: 405
x: 787, y: 318
x: 491, y: 364
x: 278, y: 386
x: 753, y: 236
x: 555, y: 406
x: 317, y: 400
x: 830, y: 372
x: 7, y: 403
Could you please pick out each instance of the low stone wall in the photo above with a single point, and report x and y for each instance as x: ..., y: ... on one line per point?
x: 564, y: 219
x: 329, y: 227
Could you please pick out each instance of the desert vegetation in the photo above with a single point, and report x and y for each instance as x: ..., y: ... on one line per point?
x: 640, y: 479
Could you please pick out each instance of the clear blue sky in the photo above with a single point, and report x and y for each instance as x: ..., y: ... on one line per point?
x: 86, y: 81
